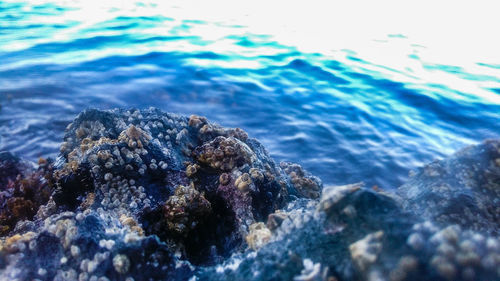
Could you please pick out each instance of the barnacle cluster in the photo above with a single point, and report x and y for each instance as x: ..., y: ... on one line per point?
x: 454, y: 253
x: 134, y: 137
x: 467, y: 195
x: 307, y: 185
x: 224, y: 153
x: 209, y: 131
x: 136, y: 195
x: 185, y: 209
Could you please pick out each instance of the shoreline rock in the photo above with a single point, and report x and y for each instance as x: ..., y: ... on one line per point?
x: 148, y: 195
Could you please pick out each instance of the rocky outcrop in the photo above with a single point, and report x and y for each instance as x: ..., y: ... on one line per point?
x: 463, y: 189
x: 148, y: 195
x: 441, y: 225
x: 141, y: 194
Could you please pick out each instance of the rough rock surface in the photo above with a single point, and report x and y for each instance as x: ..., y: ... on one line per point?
x: 463, y: 189
x: 147, y: 195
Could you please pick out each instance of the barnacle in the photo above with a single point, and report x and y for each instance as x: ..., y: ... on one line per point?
x: 243, y: 182
x: 134, y: 137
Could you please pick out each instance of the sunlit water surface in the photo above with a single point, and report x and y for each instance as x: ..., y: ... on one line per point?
x: 344, y: 93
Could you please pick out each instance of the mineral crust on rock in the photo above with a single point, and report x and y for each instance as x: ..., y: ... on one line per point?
x: 148, y: 195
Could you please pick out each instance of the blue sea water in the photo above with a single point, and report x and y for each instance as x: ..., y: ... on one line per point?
x: 348, y: 106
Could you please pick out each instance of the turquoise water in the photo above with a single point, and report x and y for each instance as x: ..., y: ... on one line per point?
x: 347, y: 104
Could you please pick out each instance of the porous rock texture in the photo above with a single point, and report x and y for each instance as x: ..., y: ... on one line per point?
x: 148, y: 195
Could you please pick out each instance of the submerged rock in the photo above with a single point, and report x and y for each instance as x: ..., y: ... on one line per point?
x: 147, y: 195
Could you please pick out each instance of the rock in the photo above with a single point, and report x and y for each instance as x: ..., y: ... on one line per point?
x: 23, y: 189
x: 136, y: 194
x: 354, y: 233
x: 10, y: 167
x: 147, y: 195
x: 463, y: 189
x: 306, y: 184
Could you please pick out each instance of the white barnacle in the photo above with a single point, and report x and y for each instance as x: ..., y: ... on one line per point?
x: 93, y: 159
x: 121, y: 263
x: 32, y: 245
x: 79, y: 217
x: 84, y: 276
x: 84, y: 265
x: 92, y: 266
x: 75, y: 250
x: 137, y: 158
x: 108, y: 176
x: 416, y: 241
x: 42, y: 271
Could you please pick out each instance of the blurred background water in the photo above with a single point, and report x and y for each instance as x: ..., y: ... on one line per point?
x: 352, y: 91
